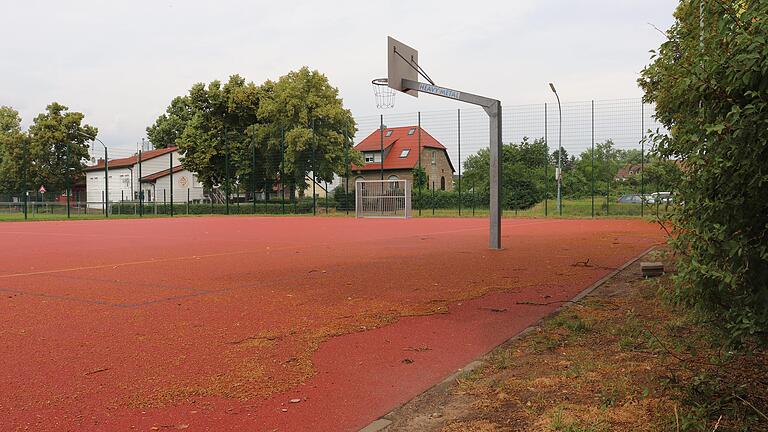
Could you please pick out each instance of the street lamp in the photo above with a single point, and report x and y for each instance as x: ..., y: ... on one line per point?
x: 106, y: 171
x: 558, y: 173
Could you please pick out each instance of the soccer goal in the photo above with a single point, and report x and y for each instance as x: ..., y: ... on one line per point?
x: 382, y: 198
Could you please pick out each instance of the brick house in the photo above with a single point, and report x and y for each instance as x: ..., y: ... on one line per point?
x: 627, y: 171
x: 401, y: 156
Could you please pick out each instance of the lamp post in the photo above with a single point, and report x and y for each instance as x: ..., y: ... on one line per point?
x: 106, y: 171
x: 559, y: 172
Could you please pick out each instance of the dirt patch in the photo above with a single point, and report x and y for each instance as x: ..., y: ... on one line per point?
x: 619, y: 359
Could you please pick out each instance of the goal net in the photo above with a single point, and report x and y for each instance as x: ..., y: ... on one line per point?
x: 382, y: 198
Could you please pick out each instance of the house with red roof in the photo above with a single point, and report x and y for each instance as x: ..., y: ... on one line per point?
x: 402, y: 147
x: 153, y: 180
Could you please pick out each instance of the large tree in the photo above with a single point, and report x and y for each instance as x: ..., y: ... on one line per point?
x: 58, y: 147
x: 13, y: 148
x: 220, y: 128
x: 303, y: 113
x: 51, y: 154
x: 709, y: 82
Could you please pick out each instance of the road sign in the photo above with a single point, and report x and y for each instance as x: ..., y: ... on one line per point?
x: 42, y: 189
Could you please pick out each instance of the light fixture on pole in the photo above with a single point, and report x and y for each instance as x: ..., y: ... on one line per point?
x: 106, y: 170
x: 558, y: 171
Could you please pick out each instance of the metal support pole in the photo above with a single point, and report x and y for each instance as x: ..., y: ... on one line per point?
x: 170, y: 171
x: 458, y: 132
x: 187, y: 201
x: 493, y: 108
x: 253, y: 177
x: 494, y: 112
x: 593, y: 158
x: 326, y: 197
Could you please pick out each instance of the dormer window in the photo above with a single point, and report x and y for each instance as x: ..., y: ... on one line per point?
x: 404, y: 153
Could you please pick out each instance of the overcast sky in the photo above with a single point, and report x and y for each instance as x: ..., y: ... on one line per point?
x: 121, y: 63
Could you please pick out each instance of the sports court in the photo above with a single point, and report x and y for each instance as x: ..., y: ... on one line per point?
x: 212, y: 322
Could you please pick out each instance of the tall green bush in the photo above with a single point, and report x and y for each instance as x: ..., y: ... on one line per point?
x: 709, y: 82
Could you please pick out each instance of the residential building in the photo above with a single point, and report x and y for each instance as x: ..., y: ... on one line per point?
x: 125, y: 184
x: 402, y: 146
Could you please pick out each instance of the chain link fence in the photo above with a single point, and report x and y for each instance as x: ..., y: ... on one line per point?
x: 605, y: 167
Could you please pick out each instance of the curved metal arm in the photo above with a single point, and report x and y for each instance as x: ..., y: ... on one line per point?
x: 92, y: 138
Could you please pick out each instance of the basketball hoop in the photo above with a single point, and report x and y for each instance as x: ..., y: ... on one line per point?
x: 385, y: 96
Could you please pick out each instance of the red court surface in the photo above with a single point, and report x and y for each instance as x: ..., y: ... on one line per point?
x: 217, y: 323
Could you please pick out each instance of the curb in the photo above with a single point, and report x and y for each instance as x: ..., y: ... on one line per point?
x: 384, y: 421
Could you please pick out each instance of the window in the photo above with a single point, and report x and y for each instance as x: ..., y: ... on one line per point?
x: 369, y: 157
x: 404, y: 153
x: 389, y: 133
x: 442, y: 183
x: 394, y: 184
x: 434, y: 157
x: 411, y: 131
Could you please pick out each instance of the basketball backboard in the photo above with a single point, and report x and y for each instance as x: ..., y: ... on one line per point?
x: 402, y: 62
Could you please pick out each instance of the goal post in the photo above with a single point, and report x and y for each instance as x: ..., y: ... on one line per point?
x: 382, y: 199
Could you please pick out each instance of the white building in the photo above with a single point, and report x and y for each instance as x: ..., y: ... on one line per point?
x: 125, y: 184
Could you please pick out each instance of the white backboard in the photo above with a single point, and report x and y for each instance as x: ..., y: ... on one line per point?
x: 399, y: 55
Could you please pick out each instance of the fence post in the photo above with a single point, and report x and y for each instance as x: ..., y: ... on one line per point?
x: 106, y: 182
x: 642, y: 159
x: 165, y: 202
x: 546, y: 164
x: 226, y: 173
x: 69, y: 182
x: 187, y: 201
x: 314, y: 174
x: 421, y: 181
x: 141, y: 191
x: 326, y: 197
x: 282, y: 167
x: 608, y: 197
x: 253, y: 175
x: 433, y: 197
x: 459, y: 141
x: 347, y: 144
x: 122, y: 201
x: 103, y: 203
x: 593, y: 158
x: 170, y: 172
x: 473, y: 198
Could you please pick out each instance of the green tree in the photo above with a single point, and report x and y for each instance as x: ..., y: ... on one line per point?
x: 13, y: 151
x: 709, y: 82
x: 304, y: 114
x: 522, y: 171
x: 168, y: 128
x: 58, y: 147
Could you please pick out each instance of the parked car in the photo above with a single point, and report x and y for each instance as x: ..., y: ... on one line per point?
x: 630, y: 199
x: 659, y: 198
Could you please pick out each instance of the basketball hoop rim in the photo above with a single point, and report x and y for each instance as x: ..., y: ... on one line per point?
x: 380, y: 81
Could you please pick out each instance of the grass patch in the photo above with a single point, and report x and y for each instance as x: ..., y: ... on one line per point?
x: 622, y: 359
